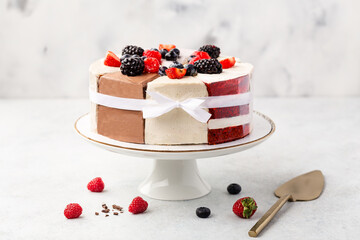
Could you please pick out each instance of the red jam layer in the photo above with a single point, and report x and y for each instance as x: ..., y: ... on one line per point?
x: 221, y: 135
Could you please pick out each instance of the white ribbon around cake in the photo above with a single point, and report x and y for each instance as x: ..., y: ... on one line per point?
x: 160, y: 104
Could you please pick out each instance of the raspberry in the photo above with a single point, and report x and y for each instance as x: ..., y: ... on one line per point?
x: 112, y: 60
x: 96, y: 185
x: 72, y: 210
x: 138, y: 205
x: 153, y: 54
x: 228, y: 62
x: 151, y: 65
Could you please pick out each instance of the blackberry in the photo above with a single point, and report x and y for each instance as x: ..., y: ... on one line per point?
x: 190, y: 70
x: 212, y: 50
x: 154, y: 49
x: 171, y: 56
x: 162, y: 71
x: 176, y: 65
x: 133, y: 50
x: 203, y: 212
x: 163, y: 52
x: 132, y: 66
x: 143, y: 58
x: 209, y: 66
x: 124, y: 56
x: 234, y: 188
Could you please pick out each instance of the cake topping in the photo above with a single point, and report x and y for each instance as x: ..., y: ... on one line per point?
x: 132, y: 66
x: 228, y: 62
x: 162, y: 71
x: 190, y: 70
x: 112, y: 60
x: 201, y: 54
x: 133, y: 50
x: 209, y: 66
x: 198, y: 55
x: 151, y: 64
x: 172, y: 55
x: 175, y: 73
x: 153, y: 53
x: 163, y: 53
x: 212, y: 50
x: 168, y: 47
x: 176, y: 65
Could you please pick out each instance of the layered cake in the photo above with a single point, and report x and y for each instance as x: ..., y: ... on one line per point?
x: 171, y: 96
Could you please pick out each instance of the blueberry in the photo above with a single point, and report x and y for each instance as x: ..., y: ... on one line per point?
x: 154, y: 49
x: 162, y: 71
x: 175, y: 50
x: 163, y: 52
x: 234, y: 188
x: 124, y: 56
x: 171, y: 56
x: 203, y: 212
x: 190, y: 70
x: 176, y: 65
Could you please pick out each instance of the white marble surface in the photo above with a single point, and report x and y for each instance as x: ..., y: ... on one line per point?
x: 298, y: 48
x: 45, y: 165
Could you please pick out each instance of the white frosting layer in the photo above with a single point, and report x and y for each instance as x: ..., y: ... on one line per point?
x: 229, y: 122
x: 176, y: 126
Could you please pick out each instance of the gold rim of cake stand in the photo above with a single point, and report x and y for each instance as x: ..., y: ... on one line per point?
x: 272, y: 130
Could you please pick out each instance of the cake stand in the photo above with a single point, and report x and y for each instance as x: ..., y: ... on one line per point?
x: 175, y: 175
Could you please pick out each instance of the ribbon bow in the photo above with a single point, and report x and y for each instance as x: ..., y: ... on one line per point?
x: 164, y: 104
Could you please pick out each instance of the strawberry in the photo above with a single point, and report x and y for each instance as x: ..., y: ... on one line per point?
x: 245, y: 207
x: 175, y: 73
x: 112, y: 60
x: 153, y: 54
x: 151, y: 65
x: 202, y: 55
x: 138, y: 205
x: 227, y: 62
x: 166, y: 46
x: 72, y: 210
x: 194, y: 59
x: 96, y: 185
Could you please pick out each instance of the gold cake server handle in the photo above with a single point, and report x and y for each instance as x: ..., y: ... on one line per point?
x: 261, y: 224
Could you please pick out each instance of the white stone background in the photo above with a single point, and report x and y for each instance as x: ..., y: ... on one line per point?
x: 299, y: 48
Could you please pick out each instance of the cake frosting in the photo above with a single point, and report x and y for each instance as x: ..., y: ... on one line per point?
x: 176, y: 126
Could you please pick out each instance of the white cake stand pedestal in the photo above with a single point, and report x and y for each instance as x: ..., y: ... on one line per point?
x: 175, y: 174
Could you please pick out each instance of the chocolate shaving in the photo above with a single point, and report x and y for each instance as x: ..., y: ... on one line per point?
x: 105, y: 210
x: 115, y: 213
x: 96, y: 213
x: 106, y: 215
x: 117, y: 207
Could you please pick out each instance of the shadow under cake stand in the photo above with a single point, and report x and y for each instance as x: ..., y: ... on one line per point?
x: 175, y: 174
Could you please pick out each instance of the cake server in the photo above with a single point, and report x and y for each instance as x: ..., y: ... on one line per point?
x: 305, y: 187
